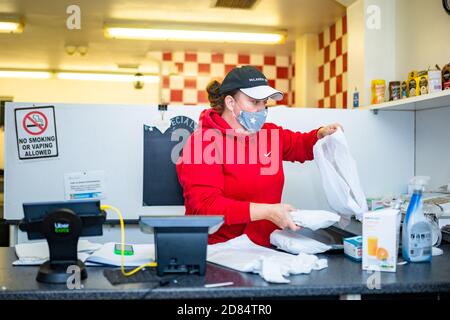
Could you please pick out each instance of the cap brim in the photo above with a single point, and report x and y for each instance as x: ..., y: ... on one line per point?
x: 263, y: 92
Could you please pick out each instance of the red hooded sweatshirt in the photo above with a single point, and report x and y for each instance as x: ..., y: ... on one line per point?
x: 221, y: 173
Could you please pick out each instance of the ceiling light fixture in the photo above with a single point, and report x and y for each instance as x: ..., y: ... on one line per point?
x: 10, y: 24
x: 25, y: 74
x: 77, y: 75
x: 172, y: 32
x: 116, y: 77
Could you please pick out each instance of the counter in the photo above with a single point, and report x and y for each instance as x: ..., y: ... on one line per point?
x: 342, y: 279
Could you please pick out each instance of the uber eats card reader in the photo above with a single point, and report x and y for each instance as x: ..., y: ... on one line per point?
x: 62, y: 223
x: 180, y: 241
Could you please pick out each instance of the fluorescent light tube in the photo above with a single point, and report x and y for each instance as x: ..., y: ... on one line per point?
x: 10, y: 27
x: 25, y: 74
x: 105, y: 77
x: 193, y: 35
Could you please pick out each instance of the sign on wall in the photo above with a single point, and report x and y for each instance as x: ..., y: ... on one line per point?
x: 36, y: 132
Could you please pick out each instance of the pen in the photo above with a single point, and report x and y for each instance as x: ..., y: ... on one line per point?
x: 220, y: 284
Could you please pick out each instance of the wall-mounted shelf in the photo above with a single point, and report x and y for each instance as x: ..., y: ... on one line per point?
x: 428, y: 101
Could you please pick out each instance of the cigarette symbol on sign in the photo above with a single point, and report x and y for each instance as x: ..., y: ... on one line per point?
x: 35, y: 123
x: 38, y: 122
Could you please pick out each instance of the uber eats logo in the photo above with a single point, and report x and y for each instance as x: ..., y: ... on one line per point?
x: 62, y: 227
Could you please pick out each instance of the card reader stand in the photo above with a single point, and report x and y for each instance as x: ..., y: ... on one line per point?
x: 62, y: 229
x: 180, y: 242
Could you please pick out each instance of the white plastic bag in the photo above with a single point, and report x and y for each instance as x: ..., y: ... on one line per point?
x: 314, y: 219
x: 296, y: 243
x: 243, y: 255
x: 339, y: 175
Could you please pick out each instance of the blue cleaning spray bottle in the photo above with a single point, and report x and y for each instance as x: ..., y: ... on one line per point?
x: 416, y: 233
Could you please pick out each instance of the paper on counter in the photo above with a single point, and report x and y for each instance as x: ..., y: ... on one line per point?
x: 36, y: 253
x: 93, y: 254
x: 143, y: 253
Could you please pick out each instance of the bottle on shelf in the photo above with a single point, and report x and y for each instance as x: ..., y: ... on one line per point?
x: 355, y: 98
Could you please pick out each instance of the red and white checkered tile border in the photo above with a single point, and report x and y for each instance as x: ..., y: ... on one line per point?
x: 291, y: 95
x: 186, y: 74
x: 333, y: 62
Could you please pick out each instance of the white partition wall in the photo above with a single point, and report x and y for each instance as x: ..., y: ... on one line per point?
x: 105, y: 138
x: 110, y: 138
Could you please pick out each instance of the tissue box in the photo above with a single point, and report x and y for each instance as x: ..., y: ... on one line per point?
x: 353, y: 248
x: 381, y: 233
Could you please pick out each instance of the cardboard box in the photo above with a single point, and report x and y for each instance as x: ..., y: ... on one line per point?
x: 446, y: 77
x: 375, y: 204
x: 353, y: 248
x: 434, y: 81
x: 381, y: 234
x: 422, y: 81
x: 413, y: 86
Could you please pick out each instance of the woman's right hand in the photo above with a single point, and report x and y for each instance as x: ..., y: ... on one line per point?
x: 278, y: 213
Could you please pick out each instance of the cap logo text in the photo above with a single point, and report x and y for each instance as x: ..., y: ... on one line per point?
x: 257, y: 79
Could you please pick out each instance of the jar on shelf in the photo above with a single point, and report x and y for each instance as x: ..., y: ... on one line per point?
x: 394, y: 90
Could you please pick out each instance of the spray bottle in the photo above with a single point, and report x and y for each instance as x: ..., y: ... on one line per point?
x: 416, y: 234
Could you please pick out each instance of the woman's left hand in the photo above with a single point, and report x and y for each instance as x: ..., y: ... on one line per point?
x: 329, y: 129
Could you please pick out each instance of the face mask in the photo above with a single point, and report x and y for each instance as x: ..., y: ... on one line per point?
x: 252, y: 121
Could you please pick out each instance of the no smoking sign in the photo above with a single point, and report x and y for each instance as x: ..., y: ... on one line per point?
x: 36, y: 132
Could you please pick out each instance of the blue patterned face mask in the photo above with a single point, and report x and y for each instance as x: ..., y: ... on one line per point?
x: 252, y: 121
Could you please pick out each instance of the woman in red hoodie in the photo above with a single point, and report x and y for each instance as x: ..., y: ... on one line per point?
x: 232, y: 164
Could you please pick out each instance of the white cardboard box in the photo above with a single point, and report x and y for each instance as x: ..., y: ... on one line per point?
x: 381, y: 233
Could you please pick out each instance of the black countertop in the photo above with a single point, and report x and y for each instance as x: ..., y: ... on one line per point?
x: 342, y: 277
